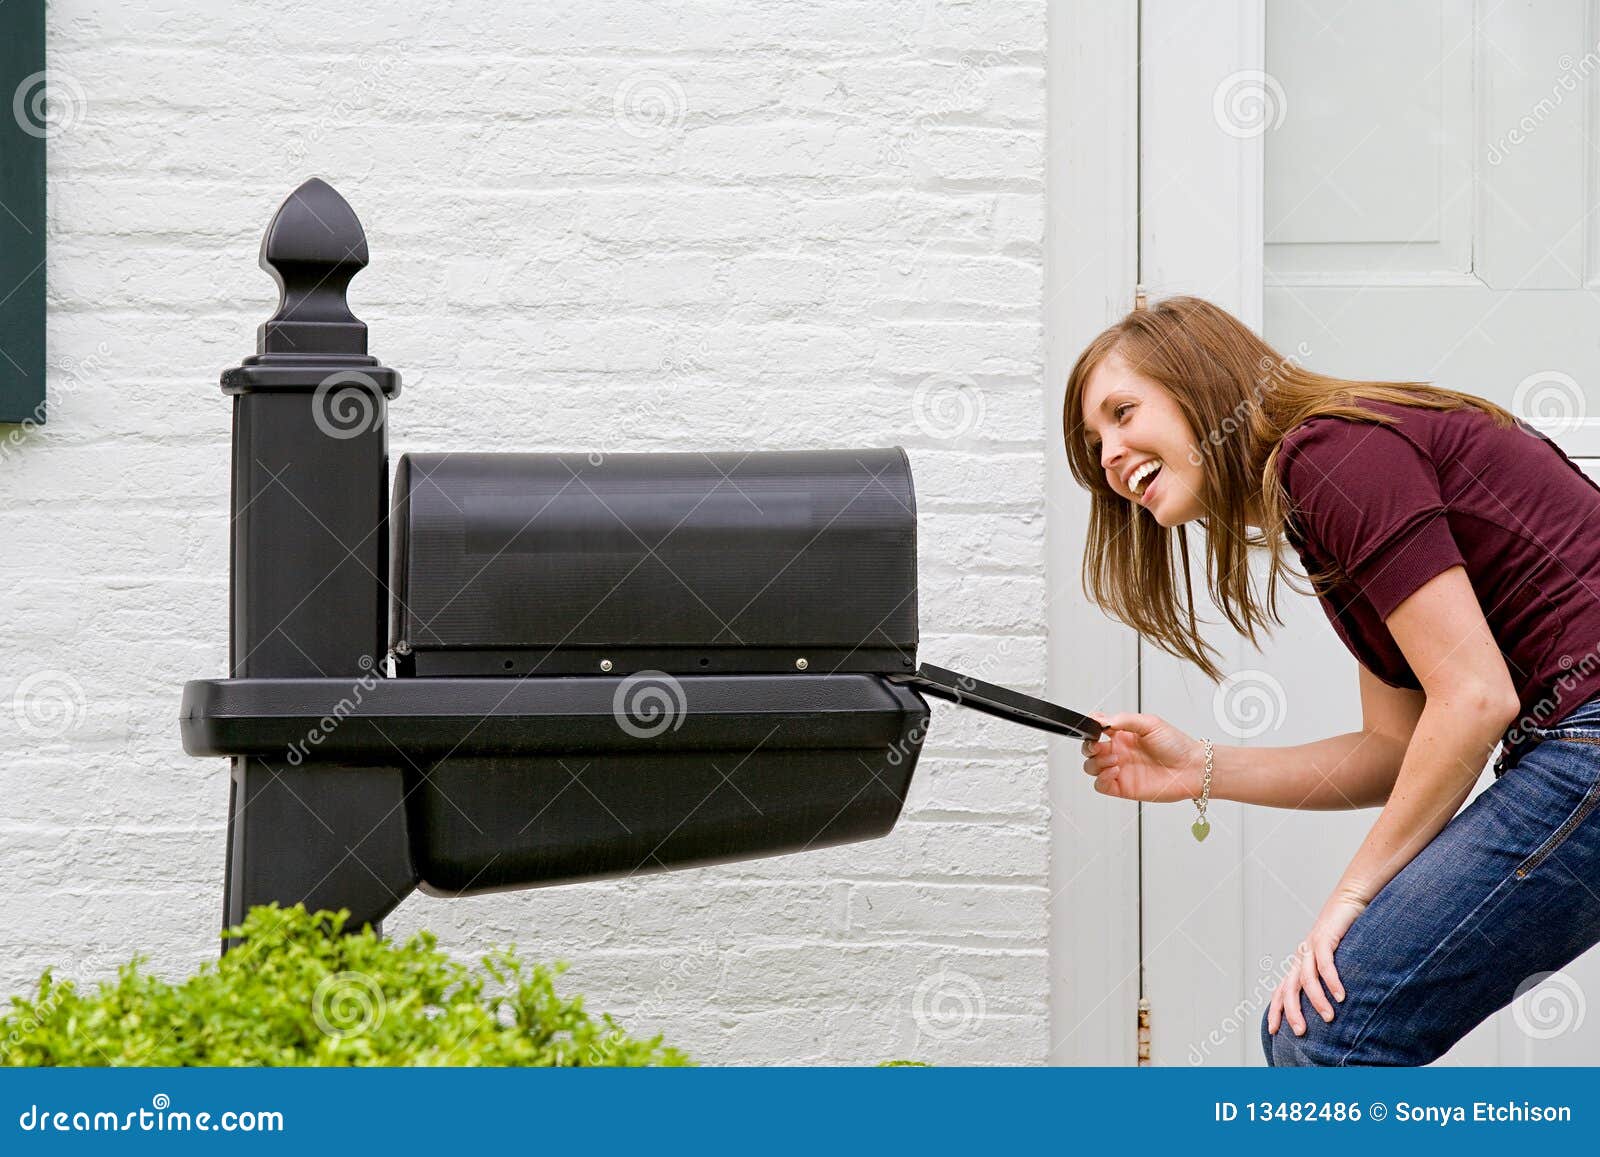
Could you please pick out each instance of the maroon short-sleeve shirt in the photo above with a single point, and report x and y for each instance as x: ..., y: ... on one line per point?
x: 1394, y: 506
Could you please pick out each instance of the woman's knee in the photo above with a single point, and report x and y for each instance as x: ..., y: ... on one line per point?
x: 1322, y: 1045
x: 1342, y: 1043
x: 1284, y: 1049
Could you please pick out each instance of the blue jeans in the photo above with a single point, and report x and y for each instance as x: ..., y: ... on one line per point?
x: 1508, y: 890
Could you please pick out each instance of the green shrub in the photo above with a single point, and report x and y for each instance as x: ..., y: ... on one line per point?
x: 298, y: 992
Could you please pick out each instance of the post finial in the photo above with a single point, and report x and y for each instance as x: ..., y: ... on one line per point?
x: 312, y: 248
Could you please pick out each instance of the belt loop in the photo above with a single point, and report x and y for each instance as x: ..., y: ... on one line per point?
x: 1514, y: 744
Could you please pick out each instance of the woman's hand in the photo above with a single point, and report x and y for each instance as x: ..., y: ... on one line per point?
x: 1313, y: 964
x: 1144, y: 757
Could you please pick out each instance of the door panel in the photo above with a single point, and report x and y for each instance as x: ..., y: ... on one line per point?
x: 1482, y: 290
x: 1428, y: 213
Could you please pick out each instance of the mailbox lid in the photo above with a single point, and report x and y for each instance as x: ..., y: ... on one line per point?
x: 681, y: 562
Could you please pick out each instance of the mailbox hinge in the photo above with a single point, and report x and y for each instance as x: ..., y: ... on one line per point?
x: 1144, y: 1030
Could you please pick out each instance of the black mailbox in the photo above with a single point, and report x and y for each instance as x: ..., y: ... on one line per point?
x: 596, y: 665
x: 554, y: 564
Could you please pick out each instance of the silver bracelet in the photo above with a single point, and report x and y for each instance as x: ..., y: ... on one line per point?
x: 1202, y: 826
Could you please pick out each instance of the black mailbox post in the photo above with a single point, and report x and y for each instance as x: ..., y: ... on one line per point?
x: 601, y: 665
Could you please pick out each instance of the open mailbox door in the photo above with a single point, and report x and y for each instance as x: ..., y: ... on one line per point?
x: 1000, y: 701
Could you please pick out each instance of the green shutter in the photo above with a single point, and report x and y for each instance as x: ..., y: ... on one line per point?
x: 22, y: 141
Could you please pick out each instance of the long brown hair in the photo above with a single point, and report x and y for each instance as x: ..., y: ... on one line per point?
x: 1240, y: 397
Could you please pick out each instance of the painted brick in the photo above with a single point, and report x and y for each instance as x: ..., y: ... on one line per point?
x: 830, y: 235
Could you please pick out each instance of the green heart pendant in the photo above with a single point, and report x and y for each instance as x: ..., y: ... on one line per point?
x: 1201, y: 829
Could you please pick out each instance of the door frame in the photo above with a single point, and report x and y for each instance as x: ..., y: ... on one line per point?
x: 1091, y: 269
x: 1143, y: 188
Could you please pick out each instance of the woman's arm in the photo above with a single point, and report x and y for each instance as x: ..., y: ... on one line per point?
x: 1470, y: 701
x: 1354, y: 770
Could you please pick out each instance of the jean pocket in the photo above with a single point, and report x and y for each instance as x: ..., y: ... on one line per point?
x: 1587, y: 804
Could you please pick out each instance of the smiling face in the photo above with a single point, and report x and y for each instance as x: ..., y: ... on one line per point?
x: 1145, y: 443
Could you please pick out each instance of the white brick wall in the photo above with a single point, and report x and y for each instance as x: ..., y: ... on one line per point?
x: 817, y: 222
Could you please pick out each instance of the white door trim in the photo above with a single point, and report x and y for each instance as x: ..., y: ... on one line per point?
x: 1205, y: 106
x: 1091, y: 267
x: 1114, y: 123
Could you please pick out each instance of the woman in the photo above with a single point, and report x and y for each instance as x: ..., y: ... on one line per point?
x: 1456, y: 552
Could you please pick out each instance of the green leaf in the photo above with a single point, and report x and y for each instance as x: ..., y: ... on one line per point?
x: 295, y: 991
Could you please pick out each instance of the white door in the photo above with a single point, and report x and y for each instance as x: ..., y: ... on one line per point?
x: 1389, y: 189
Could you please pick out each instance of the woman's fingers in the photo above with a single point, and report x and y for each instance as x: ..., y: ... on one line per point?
x: 1131, y: 721
x: 1095, y: 764
x: 1329, y: 972
x: 1313, y: 986
x: 1291, y: 1003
